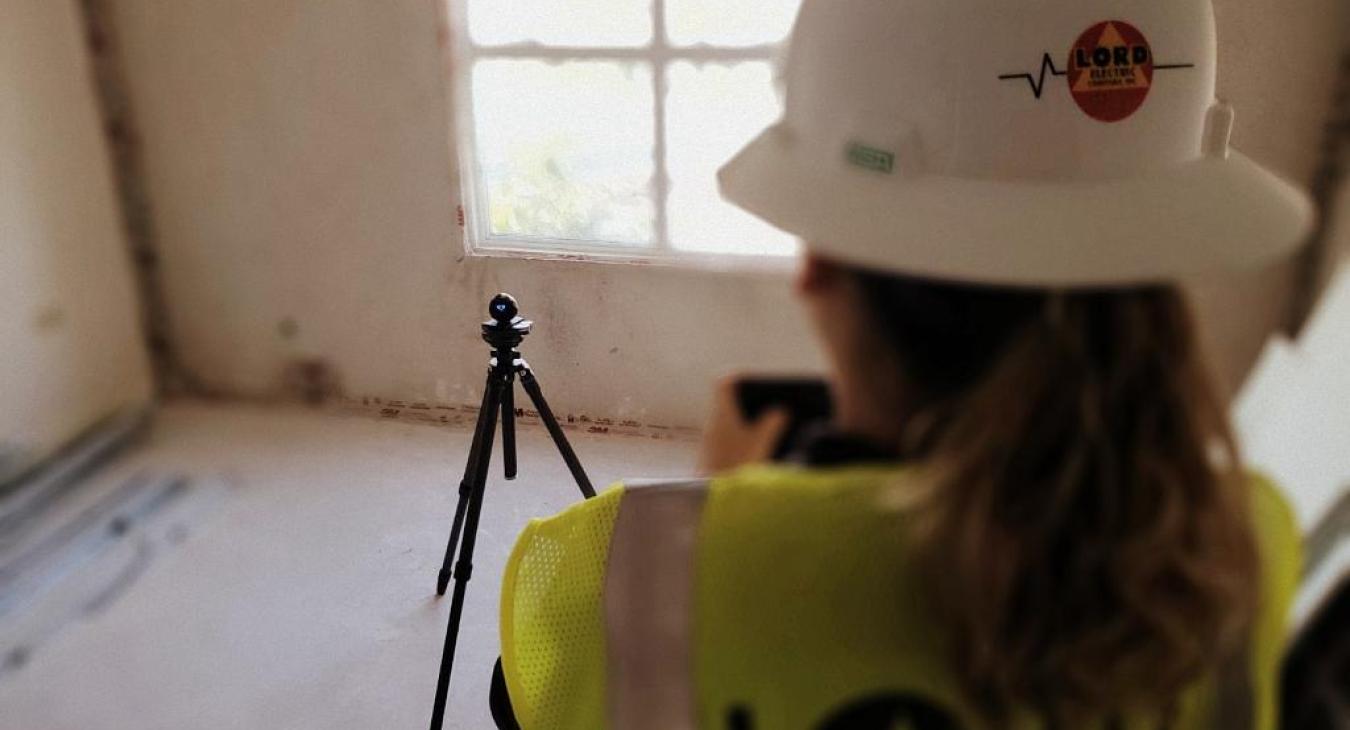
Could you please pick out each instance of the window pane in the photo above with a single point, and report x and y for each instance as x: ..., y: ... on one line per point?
x: 561, y: 22
x: 565, y: 150
x: 712, y: 111
x: 729, y: 22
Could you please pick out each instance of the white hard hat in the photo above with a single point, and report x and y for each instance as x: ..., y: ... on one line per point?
x: 1048, y: 142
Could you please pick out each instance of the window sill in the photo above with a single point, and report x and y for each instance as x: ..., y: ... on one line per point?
x: 576, y: 252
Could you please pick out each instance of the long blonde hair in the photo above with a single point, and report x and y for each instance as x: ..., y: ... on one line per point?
x: 1086, y: 533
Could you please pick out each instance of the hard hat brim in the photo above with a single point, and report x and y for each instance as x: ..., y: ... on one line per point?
x: 1207, y: 215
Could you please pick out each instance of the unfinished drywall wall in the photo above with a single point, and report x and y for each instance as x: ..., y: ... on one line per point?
x: 1338, y: 239
x: 1277, y: 66
x: 70, y: 345
x: 301, y: 167
x: 1335, y: 177
x: 299, y: 157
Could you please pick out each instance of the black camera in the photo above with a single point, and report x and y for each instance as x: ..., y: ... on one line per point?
x: 507, y: 328
x: 503, y: 308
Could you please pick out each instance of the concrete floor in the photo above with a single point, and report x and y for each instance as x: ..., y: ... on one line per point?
x: 305, y: 599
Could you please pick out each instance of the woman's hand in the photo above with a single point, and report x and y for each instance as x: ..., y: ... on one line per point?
x: 730, y: 441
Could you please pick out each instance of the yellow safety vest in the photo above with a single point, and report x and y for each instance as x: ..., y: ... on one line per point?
x: 773, y: 597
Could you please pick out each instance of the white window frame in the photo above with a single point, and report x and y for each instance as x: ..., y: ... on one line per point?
x: 660, y: 54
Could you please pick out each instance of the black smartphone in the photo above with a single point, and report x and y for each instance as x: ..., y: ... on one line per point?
x: 807, y: 401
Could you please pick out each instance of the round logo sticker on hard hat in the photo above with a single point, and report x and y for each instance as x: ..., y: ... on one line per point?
x: 1111, y: 71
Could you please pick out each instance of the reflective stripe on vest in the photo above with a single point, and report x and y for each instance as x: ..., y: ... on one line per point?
x: 649, y: 607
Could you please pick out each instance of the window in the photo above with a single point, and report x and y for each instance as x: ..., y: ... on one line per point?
x: 596, y: 127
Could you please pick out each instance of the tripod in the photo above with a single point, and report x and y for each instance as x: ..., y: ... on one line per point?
x: 503, y: 333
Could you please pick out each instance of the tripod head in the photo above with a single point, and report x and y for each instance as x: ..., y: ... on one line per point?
x: 507, y: 329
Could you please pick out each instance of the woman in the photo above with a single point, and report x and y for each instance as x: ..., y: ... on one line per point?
x: 1029, y: 510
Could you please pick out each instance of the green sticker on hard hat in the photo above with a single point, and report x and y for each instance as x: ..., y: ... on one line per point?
x: 871, y: 158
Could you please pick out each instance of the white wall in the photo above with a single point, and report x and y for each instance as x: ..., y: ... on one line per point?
x: 70, y: 346
x: 300, y: 163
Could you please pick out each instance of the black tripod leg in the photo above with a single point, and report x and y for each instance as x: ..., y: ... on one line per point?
x: 559, y: 439
x: 509, y: 428
x: 465, y: 487
x: 464, y: 566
